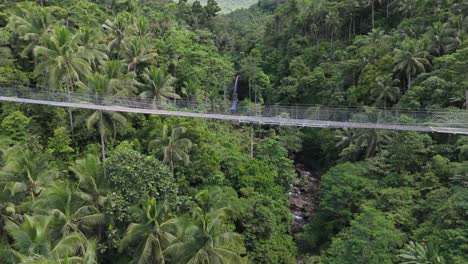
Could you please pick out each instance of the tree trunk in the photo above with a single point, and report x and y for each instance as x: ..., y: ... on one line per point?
x: 42, y: 3
x: 115, y: 129
x: 387, y: 6
x: 354, y: 26
x: 409, y: 82
x: 252, y: 143
x: 103, y: 148
x: 466, y: 98
x: 255, y: 97
x: 250, y: 93
x: 373, y: 15
x: 171, y: 162
x: 350, y: 26
x: 70, y: 116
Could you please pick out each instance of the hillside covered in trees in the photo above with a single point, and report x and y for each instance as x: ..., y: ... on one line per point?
x: 93, y: 186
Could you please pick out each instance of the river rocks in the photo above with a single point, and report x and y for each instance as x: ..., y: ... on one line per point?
x: 304, y: 197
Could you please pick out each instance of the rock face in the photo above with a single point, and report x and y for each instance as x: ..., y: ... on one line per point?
x: 304, y: 197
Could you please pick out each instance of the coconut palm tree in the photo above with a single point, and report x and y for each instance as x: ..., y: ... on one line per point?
x: 332, y: 21
x: 407, y: 7
x: 34, y: 243
x: 142, y: 27
x: 73, y: 214
x: 119, y: 29
x: 93, y: 186
x: 153, y: 236
x: 138, y: 55
x: 26, y: 171
x: 100, y: 88
x: 372, y: 140
x: 346, y: 141
x: 202, y: 242
x: 61, y: 63
x: 157, y: 85
x: 123, y: 83
x: 386, y: 90
x: 90, y: 48
x: 372, y: 4
x: 443, y: 38
x: 172, y: 146
x: 409, y: 61
x: 32, y: 25
x: 415, y: 253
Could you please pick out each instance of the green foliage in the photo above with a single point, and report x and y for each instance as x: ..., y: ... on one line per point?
x: 265, y: 222
x: 60, y: 144
x: 417, y: 253
x: 15, y: 125
x: 343, y: 190
x: 173, y: 147
x: 61, y: 203
x: 33, y: 242
x: 445, y: 224
x: 371, y: 238
x: 152, y: 235
x: 133, y: 177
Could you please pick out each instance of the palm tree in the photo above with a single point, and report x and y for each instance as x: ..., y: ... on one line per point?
x: 203, y: 242
x: 89, y: 47
x: 443, y: 38
x: 172, y: 146
x: 93, y: 186
x: 376, y: 37
x: 407, y: 7
x: 153, y: 236
x: 102, y: 120
x: 415, y: 253
x: 119, y: 30
x: 157, y: 86
x: 27, y: 171
x: 372, y: 4
x: 346, y: 141
x: 137, y: 55
x: 332, y: 21
x: 372, y: 140
x: 409, y: 61
x: 74, y: 214
x: 191, y: 91
x: 123, y: 83
x: 32, y: 26
x: 386, y: 90
x: 34, y: 243
x: 142, y: 27
x: 61, y: 63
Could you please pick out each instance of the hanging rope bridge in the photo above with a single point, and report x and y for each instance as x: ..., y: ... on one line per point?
x: 453, y: 121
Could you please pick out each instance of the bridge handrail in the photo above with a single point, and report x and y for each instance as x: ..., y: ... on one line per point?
x: 450, y: 118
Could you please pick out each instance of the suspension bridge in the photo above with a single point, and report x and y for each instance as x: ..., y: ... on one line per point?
x: 453, y: 121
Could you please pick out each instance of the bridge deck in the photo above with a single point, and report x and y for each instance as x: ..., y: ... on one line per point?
x: 132, y: 106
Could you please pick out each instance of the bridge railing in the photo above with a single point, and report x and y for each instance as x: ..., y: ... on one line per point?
x: 452, y: 118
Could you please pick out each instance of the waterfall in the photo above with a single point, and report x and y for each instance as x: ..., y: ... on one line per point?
x: 235, y: 100
x: 234, y: 94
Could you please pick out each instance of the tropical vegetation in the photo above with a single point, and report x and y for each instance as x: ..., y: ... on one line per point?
x: 96, y: 186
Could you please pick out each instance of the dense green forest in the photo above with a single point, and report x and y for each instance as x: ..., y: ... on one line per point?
x: 82, y: 186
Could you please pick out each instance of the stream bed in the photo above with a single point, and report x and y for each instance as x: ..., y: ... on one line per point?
x: 304, y: 197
